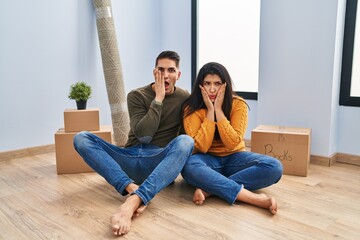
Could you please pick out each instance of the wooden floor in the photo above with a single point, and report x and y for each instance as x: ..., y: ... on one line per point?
x: 36, y: 203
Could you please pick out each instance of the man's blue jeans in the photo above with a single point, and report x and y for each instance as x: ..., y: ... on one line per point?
x: 226, y: 176
x: 151, y: 167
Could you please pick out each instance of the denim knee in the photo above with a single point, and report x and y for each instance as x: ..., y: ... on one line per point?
x: 276, y: 168
x: 79, y: 139
x: 184, y: 144
x: 189, y: 171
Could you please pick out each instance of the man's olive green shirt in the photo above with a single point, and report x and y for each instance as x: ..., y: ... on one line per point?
x: 151, y: 122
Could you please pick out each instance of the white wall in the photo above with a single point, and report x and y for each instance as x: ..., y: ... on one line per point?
x: 300, y: 68
x: 38, y: 61
x: 47, y: 45
x: 175, y: 25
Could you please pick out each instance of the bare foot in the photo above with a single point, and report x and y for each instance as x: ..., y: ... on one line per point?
x: 140, y: 210
x: 260, y: 200
x: 131, y: 188
x: 121, y: 220
x: 273, y: 206
x: 200, y: 196
x: 267, y: 203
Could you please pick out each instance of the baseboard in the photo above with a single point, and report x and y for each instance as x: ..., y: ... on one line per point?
x: 324, y: 161
x: 26, y: 152
x: 348, y: 158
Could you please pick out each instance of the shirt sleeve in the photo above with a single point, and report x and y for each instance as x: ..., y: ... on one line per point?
x: 201, y: 129
x: 232, y: 132
x: 144, y: 120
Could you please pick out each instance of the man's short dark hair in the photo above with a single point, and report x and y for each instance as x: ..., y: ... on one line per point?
x: 169, y: 54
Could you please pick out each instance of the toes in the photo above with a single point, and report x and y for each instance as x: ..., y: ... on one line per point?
x: 116, y: 229
x: 273, y: 210
x: 273, y: 206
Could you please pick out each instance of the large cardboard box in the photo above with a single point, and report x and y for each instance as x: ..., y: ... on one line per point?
x: 81, y: 120
x: 289, y: 145
x: 67, y: 159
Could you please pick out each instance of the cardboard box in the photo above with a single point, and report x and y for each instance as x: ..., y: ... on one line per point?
x: 81, y: 120
x: 289, y: 145
x: 67, y: 159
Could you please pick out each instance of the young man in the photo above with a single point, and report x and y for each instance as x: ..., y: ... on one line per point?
x: 154, y: 154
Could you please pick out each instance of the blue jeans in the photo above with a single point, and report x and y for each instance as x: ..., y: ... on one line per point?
x: 151, y: 166
x: 226, y: 176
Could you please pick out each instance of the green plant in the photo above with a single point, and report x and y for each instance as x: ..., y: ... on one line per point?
x: 80, y: 91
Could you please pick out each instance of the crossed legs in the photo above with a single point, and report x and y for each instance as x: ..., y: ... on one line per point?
x: 153, y: 167
x: 233, y: 177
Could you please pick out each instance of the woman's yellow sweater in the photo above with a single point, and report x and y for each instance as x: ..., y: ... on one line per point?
x: 231, y: 131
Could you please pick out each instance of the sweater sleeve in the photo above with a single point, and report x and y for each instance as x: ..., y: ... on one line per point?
x: 144, y: 120
x: 200, y: 129
x: 232, y: 132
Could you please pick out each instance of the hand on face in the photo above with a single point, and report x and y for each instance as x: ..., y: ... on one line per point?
x: 159, y: 86
x: 218, y: 100
x: 220, y: 97
x: 206, y: 98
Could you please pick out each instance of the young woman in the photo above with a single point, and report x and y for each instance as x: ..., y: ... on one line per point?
x: 216, y: 118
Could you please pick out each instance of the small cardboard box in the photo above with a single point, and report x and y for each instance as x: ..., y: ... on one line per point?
x: 67, y: 158
x: 289, y: 145
x: 81, y: 120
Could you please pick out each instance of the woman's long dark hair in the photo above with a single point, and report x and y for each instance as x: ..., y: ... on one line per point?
x: 195, y: 100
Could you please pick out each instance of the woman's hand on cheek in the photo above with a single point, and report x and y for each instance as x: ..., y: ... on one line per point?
x: 206, y: 98
x: 220, y: 97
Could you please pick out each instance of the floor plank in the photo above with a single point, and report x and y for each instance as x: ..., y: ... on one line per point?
x: 36, y: 203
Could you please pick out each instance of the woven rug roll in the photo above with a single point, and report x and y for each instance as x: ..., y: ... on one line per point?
x: 112, y: 70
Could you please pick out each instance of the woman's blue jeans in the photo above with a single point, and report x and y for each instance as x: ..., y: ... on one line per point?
x: 226, y: 176
x: 151, y: 167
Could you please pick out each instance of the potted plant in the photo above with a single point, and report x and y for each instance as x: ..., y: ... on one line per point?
x: 80, y: 92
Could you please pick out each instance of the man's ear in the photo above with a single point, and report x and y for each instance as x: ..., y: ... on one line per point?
x: 179, y: 74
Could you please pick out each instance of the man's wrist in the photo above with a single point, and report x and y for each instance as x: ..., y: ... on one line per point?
x: 157, y: 103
